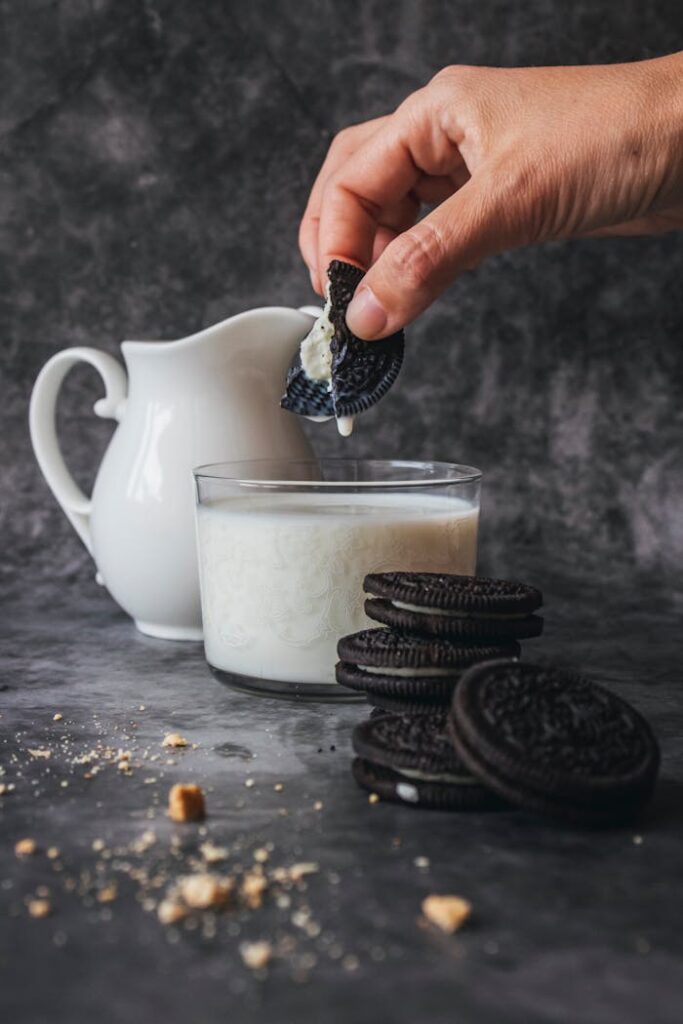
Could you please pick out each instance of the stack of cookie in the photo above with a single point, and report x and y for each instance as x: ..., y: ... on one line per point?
x: 435, y: 626
x: 516, y: 734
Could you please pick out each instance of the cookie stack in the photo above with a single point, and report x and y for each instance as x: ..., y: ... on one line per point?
x: 516, y: 734
x: 435, y: 626
x: 460, y: 723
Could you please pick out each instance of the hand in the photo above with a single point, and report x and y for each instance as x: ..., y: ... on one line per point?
x: 509, y: 157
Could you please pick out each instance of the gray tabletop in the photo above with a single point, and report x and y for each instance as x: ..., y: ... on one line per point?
x: 567, y: 924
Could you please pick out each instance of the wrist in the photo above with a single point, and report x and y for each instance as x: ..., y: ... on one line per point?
x: 662, y: 85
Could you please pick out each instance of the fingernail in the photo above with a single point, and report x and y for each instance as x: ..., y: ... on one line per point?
x: 365, y: 316
x: 314, y: 279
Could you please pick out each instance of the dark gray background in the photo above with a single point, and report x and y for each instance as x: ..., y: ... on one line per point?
x: 155, y: 158
x: 154, y: 161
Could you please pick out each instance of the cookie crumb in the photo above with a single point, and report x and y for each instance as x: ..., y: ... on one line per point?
x: 186, y: 802
x: 298, y: 871
x: 25, y: 847
x: 53, y: 852
x: 107, y: 894
x: 57, y: 717
x: 171, y: 911
x: 261, y: 855
x: 39, y: 752
x: 256, y: 955
x: 446, y: 912
x: 248, y: 783
x: 204, y: 890
x: 211, y: 853
x: 252, y: 889
x: 373, y: 798
x: 318, y: 805
x: 98, y: 845
x: 422, y: 862
x: 174, y: 739
x: 637, y: 840
x: 278, y: 787
x: 39, y: 908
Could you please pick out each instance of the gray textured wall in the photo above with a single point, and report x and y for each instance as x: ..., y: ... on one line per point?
x: 154, y: 159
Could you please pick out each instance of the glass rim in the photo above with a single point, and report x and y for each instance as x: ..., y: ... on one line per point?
x: 234, y: 472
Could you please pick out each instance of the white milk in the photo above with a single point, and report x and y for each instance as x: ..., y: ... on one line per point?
x: 282, y: 574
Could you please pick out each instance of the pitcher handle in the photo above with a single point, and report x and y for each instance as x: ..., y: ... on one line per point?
x: 75, y: 504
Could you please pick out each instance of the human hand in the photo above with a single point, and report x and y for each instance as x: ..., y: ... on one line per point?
x: 510, y: 157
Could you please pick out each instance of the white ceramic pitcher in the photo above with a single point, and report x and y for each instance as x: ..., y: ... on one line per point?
x: 211, y: 397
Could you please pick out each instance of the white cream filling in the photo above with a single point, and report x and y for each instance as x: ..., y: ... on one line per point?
x: 345, y: 425
x: 316, y: 361
x: 460, y: 780
x: 315, y: 352
x: 452, y: 614
x: 408, y: 672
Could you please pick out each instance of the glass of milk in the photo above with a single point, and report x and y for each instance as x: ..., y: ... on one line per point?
x: 284, y: 546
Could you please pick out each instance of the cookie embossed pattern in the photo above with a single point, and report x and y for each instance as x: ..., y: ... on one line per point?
x: 284, y: 547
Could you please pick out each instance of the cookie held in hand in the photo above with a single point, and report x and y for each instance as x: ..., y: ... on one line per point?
x: 335, y: 373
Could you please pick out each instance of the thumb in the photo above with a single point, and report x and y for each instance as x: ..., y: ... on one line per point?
x: 421, y: 262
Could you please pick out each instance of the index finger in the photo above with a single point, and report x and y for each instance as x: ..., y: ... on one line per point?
x: 344, y: 144
x: 379, y: 174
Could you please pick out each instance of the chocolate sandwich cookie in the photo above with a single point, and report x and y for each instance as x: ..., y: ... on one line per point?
x: 336, y: 373
x: 468, y: 609
x: 407, y: 667
x: 410, y: 759
x: 395, y: 705
x: 552, y: 741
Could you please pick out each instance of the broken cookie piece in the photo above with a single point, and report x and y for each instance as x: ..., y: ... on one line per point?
x: 186, y: 802
x: 446, y: 912
x: 336, y: 374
